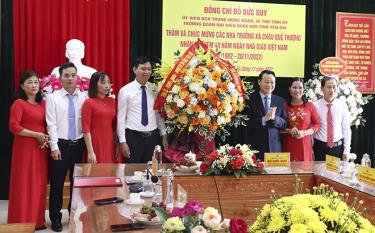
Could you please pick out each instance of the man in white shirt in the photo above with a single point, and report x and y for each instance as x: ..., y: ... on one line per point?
x: 334, y: 136
x: 139, y: 126
x: 63, y: 116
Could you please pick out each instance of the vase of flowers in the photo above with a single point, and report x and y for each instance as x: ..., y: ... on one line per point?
x: 346, y: 91
x: 239, y: 160
x: 193, y: 218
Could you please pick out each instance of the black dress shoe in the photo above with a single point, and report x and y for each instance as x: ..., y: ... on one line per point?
x: 56, y: 226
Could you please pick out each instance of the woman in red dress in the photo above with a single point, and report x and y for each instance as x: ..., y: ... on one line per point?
x: 99, y: 121
x: 303, y: 121
x: 28, y: 179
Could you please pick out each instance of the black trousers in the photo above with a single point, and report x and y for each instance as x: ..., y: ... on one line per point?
x: 71, y: 153
x: 321, y: 150
x: 141, y: 145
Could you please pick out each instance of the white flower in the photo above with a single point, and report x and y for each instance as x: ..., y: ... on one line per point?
x: 360, y: 110
x: 169, y: 98
x: 220, y: 120
x: 180, y: 103
x: 206, y: 79
x: 240, y: 99
x: 187, y: 79
x: 351, y: 101
x: 193, y: 87
x: 357, y: 122
x: 346, y: 91
x: 234, y: 93
x: 201, y: 114
x: 212, y: 84
x: 194, y: 62
x: 212, y: 220
x: 189, y: 110
x: 228, y: 108
x: 212, y: 112
x: 226, y: 223
x: 199, y: 229
x: 201, y: 90
x: 176, y: 98
x: 310, y: 94
x: 216, y: 68
x: 212, y: 210
x: 193, y: 101
x: 352, y: 156
x: 231, y: 87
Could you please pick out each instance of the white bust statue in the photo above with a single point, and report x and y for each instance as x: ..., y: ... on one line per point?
x: 75, y: 51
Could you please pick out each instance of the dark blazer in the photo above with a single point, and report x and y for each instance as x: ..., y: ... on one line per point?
x: 265, y: 138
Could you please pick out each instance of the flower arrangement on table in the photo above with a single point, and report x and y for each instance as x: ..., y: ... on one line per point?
x: 239, y: 160
x: 51, y: 83
x: 323, y: 211
x: 346, y: 91
x: 194, y: 218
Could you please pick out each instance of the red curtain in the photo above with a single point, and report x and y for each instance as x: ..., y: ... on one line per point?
x: 42, y: 28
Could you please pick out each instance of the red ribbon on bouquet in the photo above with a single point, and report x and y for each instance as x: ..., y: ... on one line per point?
x: 183, y: 61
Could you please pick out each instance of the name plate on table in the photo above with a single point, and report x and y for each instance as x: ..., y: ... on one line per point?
x: 277, y: 163
x: 277, y: 159
x: 366, y: 175
x: 332, y: 163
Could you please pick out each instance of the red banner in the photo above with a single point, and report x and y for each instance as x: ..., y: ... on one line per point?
x: 183, y: 61
x: 355, y: 43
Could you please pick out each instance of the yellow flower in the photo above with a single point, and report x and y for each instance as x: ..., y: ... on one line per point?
x: 276, y: 224
x: 170, y: 114
x: 173, y: 224
x: 224, y: 160
x: 329, y: 215
x: 206, y: 120
x: 298, y: 228
x: 183, y: 119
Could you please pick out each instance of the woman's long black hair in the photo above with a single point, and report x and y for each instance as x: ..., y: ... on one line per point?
x: 289, y: 98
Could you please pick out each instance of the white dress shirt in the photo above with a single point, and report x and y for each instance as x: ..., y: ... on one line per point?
x: 57, y: 109
x: 341, y: 122
x: 129, y: 112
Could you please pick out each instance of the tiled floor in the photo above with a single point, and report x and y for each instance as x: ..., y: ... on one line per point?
x: 65, y: 217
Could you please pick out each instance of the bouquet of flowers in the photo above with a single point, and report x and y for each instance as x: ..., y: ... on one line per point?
x: 205, y: 94
x: 346, y: 91
x: 324, y: 211
x: 239, y: 160
x: 51, y: 83
x: 193, y: 218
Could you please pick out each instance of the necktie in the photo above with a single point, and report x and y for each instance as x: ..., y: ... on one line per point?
x: 72, y: 119
x: 329, y: 127
x: 144, y: 106
x: 266, y: 104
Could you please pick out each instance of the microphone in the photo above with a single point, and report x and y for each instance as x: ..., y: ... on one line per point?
x: 154, y: 179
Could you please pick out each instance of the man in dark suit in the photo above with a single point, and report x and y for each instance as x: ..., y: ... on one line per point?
x: 266, y: 116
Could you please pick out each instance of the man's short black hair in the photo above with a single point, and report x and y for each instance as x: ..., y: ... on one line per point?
x: 326, y: 79
x: 65, y: 66
x: 141, y: 60
x: 266, y: 72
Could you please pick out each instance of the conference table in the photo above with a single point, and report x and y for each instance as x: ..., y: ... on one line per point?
x: 231, y: 196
